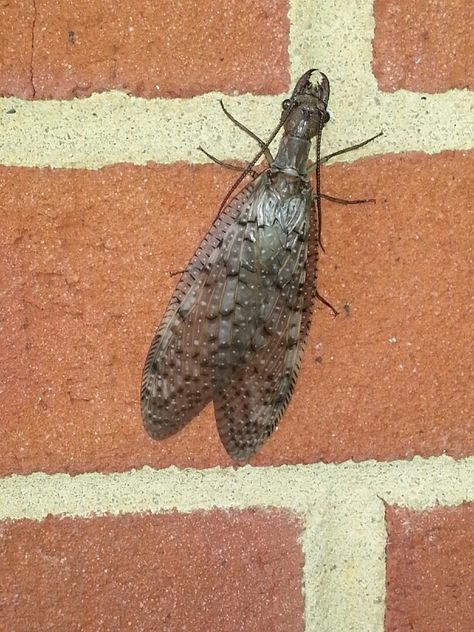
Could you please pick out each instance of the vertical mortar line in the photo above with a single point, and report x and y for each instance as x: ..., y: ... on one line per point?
x: 344, y: 573
x: 340, y: 44
x: 304, y: 45
x: 333, y: 39
x: 347, y: 54
x: 347, y: 43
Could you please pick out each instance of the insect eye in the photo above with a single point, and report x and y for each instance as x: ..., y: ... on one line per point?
x: 286, y: 104
x: 327, y: 116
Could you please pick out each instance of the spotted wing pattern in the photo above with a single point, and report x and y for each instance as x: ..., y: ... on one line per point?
x: 250, y: 397
x: 235, y: 327
x: 180, y: 368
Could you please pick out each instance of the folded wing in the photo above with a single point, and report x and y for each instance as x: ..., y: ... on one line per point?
x: 250, y: 397
x: 235, y: 328
x: 180, y: 368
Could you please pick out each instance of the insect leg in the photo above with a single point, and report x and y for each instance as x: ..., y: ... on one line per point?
x: 253, y: 174
x: 264, y: 146
x: 331, y: 198
x: 327, y: 303
x: 342, y: 201
x: 324, y: 159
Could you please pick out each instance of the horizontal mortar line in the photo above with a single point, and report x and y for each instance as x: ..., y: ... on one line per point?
x: 418, y: 484
x: 112, y: 127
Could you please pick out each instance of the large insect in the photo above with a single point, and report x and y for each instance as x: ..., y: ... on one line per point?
x: 235, y: 329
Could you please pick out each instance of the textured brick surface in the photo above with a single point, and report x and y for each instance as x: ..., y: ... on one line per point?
x: 199, y: 572
x: 16, y: 24
x: 61, y: 49
x: 85, y: 261
x: 424, y: 46
x: 430, y: 570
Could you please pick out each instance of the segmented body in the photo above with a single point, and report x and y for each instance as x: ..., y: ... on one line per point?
x: 236, y: 325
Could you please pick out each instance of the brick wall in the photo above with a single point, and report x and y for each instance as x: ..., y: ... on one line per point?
x: 358, y: 513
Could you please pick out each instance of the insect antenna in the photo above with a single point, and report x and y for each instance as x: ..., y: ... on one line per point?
x: 249, y: 168
x: 226, y: 165
x: 318, y: 181
x: 247, y: 131
x: 299, y: 88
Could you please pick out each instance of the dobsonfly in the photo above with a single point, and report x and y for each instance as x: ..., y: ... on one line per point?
x: 235, y: 328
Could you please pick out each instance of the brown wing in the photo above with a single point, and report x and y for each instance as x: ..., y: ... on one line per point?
x: 180, y: 368
x: 250, y: 398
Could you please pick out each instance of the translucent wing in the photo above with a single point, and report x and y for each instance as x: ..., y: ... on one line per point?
x: 180, y: 368
x: 251, y: 397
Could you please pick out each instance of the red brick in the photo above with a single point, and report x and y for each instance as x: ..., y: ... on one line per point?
x: 430, y: 570
x: 61, y: 49
x: 203, y: 571
x: 392, y: 379
x: 424, y: 46
x: 85, y: 258
x: 16, y: 26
